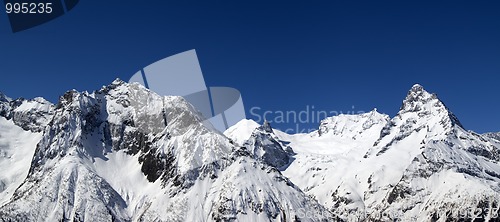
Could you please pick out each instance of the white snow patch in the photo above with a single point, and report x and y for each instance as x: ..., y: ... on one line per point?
x: 17, y: 148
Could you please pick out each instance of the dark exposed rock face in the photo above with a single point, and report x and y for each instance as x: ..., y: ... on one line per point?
x: 33, y: 115
x: 441, y: 169
x: 494, y: 136
x: 420, y: 111
x: 265, y: 146
x: 162, y: 141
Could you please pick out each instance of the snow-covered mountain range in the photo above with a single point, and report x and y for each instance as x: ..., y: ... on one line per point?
x: 420, y: 165
x: 124, y: 153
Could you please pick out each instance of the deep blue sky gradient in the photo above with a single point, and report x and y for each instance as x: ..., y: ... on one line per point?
x: 281, y: 55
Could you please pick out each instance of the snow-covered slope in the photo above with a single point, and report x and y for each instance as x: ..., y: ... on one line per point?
x: 32, y: 115
x: 351, y: 126
x: 265, y: 146
x: 431, y: 164
x: 420, y: 165
x: 330, y: 158
x: 241, y: 131
x: 493, y: 136
x: 124, y: 153
x: 16, y: 150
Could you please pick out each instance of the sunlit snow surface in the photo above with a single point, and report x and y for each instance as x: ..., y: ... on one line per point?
x: 16, y: 151
x: 124, y: 153
x: 419, y: 165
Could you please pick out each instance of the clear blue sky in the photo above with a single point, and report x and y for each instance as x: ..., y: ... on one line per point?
x: 281, y: 55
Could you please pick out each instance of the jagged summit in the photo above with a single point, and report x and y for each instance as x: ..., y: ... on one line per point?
x: 32, y: 115
x: 117, y: 81
x: 421, y: 165
x: 417, y: 87
x: 422, y: 115
x: 4, y: 98
x: 423, y: 103
x: 418, y: 98
x: 125, y: 153
x: 265, y: 146
x: 266, y: 127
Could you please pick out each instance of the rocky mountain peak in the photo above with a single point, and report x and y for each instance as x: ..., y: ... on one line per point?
x: 422, y: 115
x: 265, y: 146
x: 113, y: 85
x: 132, y: 155
x: 417, y: 87
x: 31, y: 115
x: 266, y: 127
x: 67, y: 98
x: 418, y: 99
x: 4, y: 98
x: 422, y: 103
x: 117, y: 82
